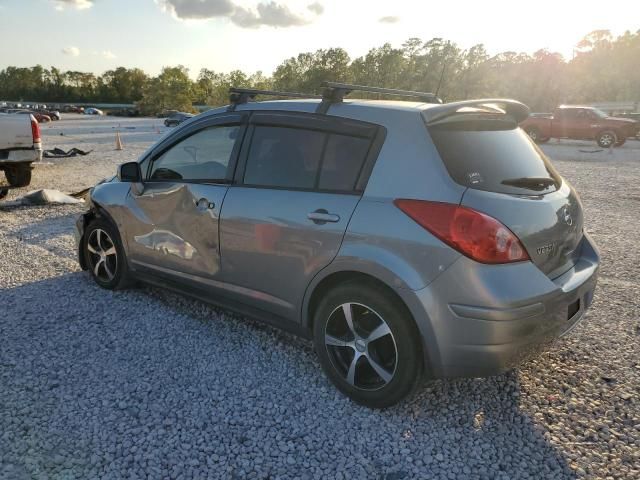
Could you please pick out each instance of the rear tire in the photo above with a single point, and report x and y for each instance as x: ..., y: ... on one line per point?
x: 534, y: 134
x: 375, y: 358
x: 18, y: 175
x: 607, y: 139
x: 104, y: 255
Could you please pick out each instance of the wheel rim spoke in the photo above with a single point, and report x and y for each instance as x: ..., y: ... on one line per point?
x: 351, y: 374
x: 111, y: 251
x: 348, y: 316
x: 91, y: 249
x: 379, y: 332
x: 99, y: 240
x: 96, y: 268
x: 379, y: 369
x: 334, y: 341
x: 107, y: 269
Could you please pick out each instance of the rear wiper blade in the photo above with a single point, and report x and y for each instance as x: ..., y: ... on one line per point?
x: 532, y: 183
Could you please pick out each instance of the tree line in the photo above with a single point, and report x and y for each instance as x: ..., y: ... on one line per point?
x: 603, y: 68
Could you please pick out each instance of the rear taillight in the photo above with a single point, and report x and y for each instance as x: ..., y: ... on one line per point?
x: 474, y: 234
x: 35, y: 130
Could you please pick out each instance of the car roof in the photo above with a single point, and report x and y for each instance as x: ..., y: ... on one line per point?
x: 358, y: 108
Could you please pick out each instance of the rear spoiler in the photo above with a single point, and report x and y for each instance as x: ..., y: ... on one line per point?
x: 518, y: 111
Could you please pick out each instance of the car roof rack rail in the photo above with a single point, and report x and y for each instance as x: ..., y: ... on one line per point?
x: 335, y: 92
x: 238, y: 96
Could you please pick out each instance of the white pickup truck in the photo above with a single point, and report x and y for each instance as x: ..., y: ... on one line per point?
x: 20, y: 146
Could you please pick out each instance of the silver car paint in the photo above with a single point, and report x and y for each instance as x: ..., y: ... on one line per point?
x: 272, y: 257
x: 271, y: 246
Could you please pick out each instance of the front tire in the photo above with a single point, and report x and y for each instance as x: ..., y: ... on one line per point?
x: 18, y: 175
x: 368, y: 344
x: 104, y: 255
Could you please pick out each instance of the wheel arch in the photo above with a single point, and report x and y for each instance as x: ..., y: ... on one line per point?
x: 331, y: 277
x: 602, y: 131
x: 95, y: 211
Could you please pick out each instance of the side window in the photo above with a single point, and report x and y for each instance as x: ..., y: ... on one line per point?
x: 582, y: 114
x: 343, y: 160
x: 284, y: 157
x: 204, y: 155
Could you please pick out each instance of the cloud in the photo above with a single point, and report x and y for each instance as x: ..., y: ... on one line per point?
x: 316, y: 7
x: 389, y: 19
x: 78, y: 4
x: 73, y: 51
x: 269, y: 13
x: 108, y: 54
x: 198, y: 9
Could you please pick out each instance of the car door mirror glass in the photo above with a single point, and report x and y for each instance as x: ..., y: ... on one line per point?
x: 130, y: 172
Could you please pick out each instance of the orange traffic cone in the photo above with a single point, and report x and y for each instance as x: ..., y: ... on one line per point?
x: 118, y: 142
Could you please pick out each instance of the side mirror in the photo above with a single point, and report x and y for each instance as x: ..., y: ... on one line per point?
x: 130, y: 172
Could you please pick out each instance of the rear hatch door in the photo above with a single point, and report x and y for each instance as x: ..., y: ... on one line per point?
x: 511, y: 179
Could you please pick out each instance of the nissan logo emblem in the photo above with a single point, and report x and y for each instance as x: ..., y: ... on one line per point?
x: 567, y: 216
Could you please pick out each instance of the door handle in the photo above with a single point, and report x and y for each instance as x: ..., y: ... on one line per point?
x: 321, y: 216
x: 204, y: 204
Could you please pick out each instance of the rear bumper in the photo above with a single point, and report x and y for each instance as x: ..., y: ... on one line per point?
x: 480, y: 320
x: 20, y: 156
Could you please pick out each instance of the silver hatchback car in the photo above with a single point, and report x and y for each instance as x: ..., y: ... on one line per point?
x: 408, y: 239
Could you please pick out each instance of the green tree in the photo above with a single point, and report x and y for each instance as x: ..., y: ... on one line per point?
x: 171, y: 90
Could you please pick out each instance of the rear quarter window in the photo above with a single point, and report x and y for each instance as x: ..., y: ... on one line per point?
x: 492, y: 155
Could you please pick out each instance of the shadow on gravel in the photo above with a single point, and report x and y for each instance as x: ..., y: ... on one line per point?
x: 97, y: 384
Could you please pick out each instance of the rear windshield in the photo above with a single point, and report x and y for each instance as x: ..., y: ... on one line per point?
x: 493, y: 155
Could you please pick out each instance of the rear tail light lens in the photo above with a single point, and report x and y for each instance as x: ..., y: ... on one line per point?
x: 35, y: 130
x: 474, y: 234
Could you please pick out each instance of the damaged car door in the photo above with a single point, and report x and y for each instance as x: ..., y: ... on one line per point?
x: 176, y: 211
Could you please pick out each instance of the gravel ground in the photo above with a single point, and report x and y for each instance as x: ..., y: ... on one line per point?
x: 147, y: 384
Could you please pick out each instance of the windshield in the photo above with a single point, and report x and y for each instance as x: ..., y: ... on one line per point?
x: 494, y: 156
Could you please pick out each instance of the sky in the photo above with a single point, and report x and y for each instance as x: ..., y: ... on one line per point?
x: 257, y: 35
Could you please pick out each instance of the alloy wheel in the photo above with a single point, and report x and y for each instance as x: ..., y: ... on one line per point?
x: 606, y: 139
x: 361, y: 346
x: 103, y: 257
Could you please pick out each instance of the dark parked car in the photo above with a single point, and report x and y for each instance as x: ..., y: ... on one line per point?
x: 176, y: 119
x: 53, y: 114
x: 73, y: 109
x: 405, y: 238
x: 125, y: 112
